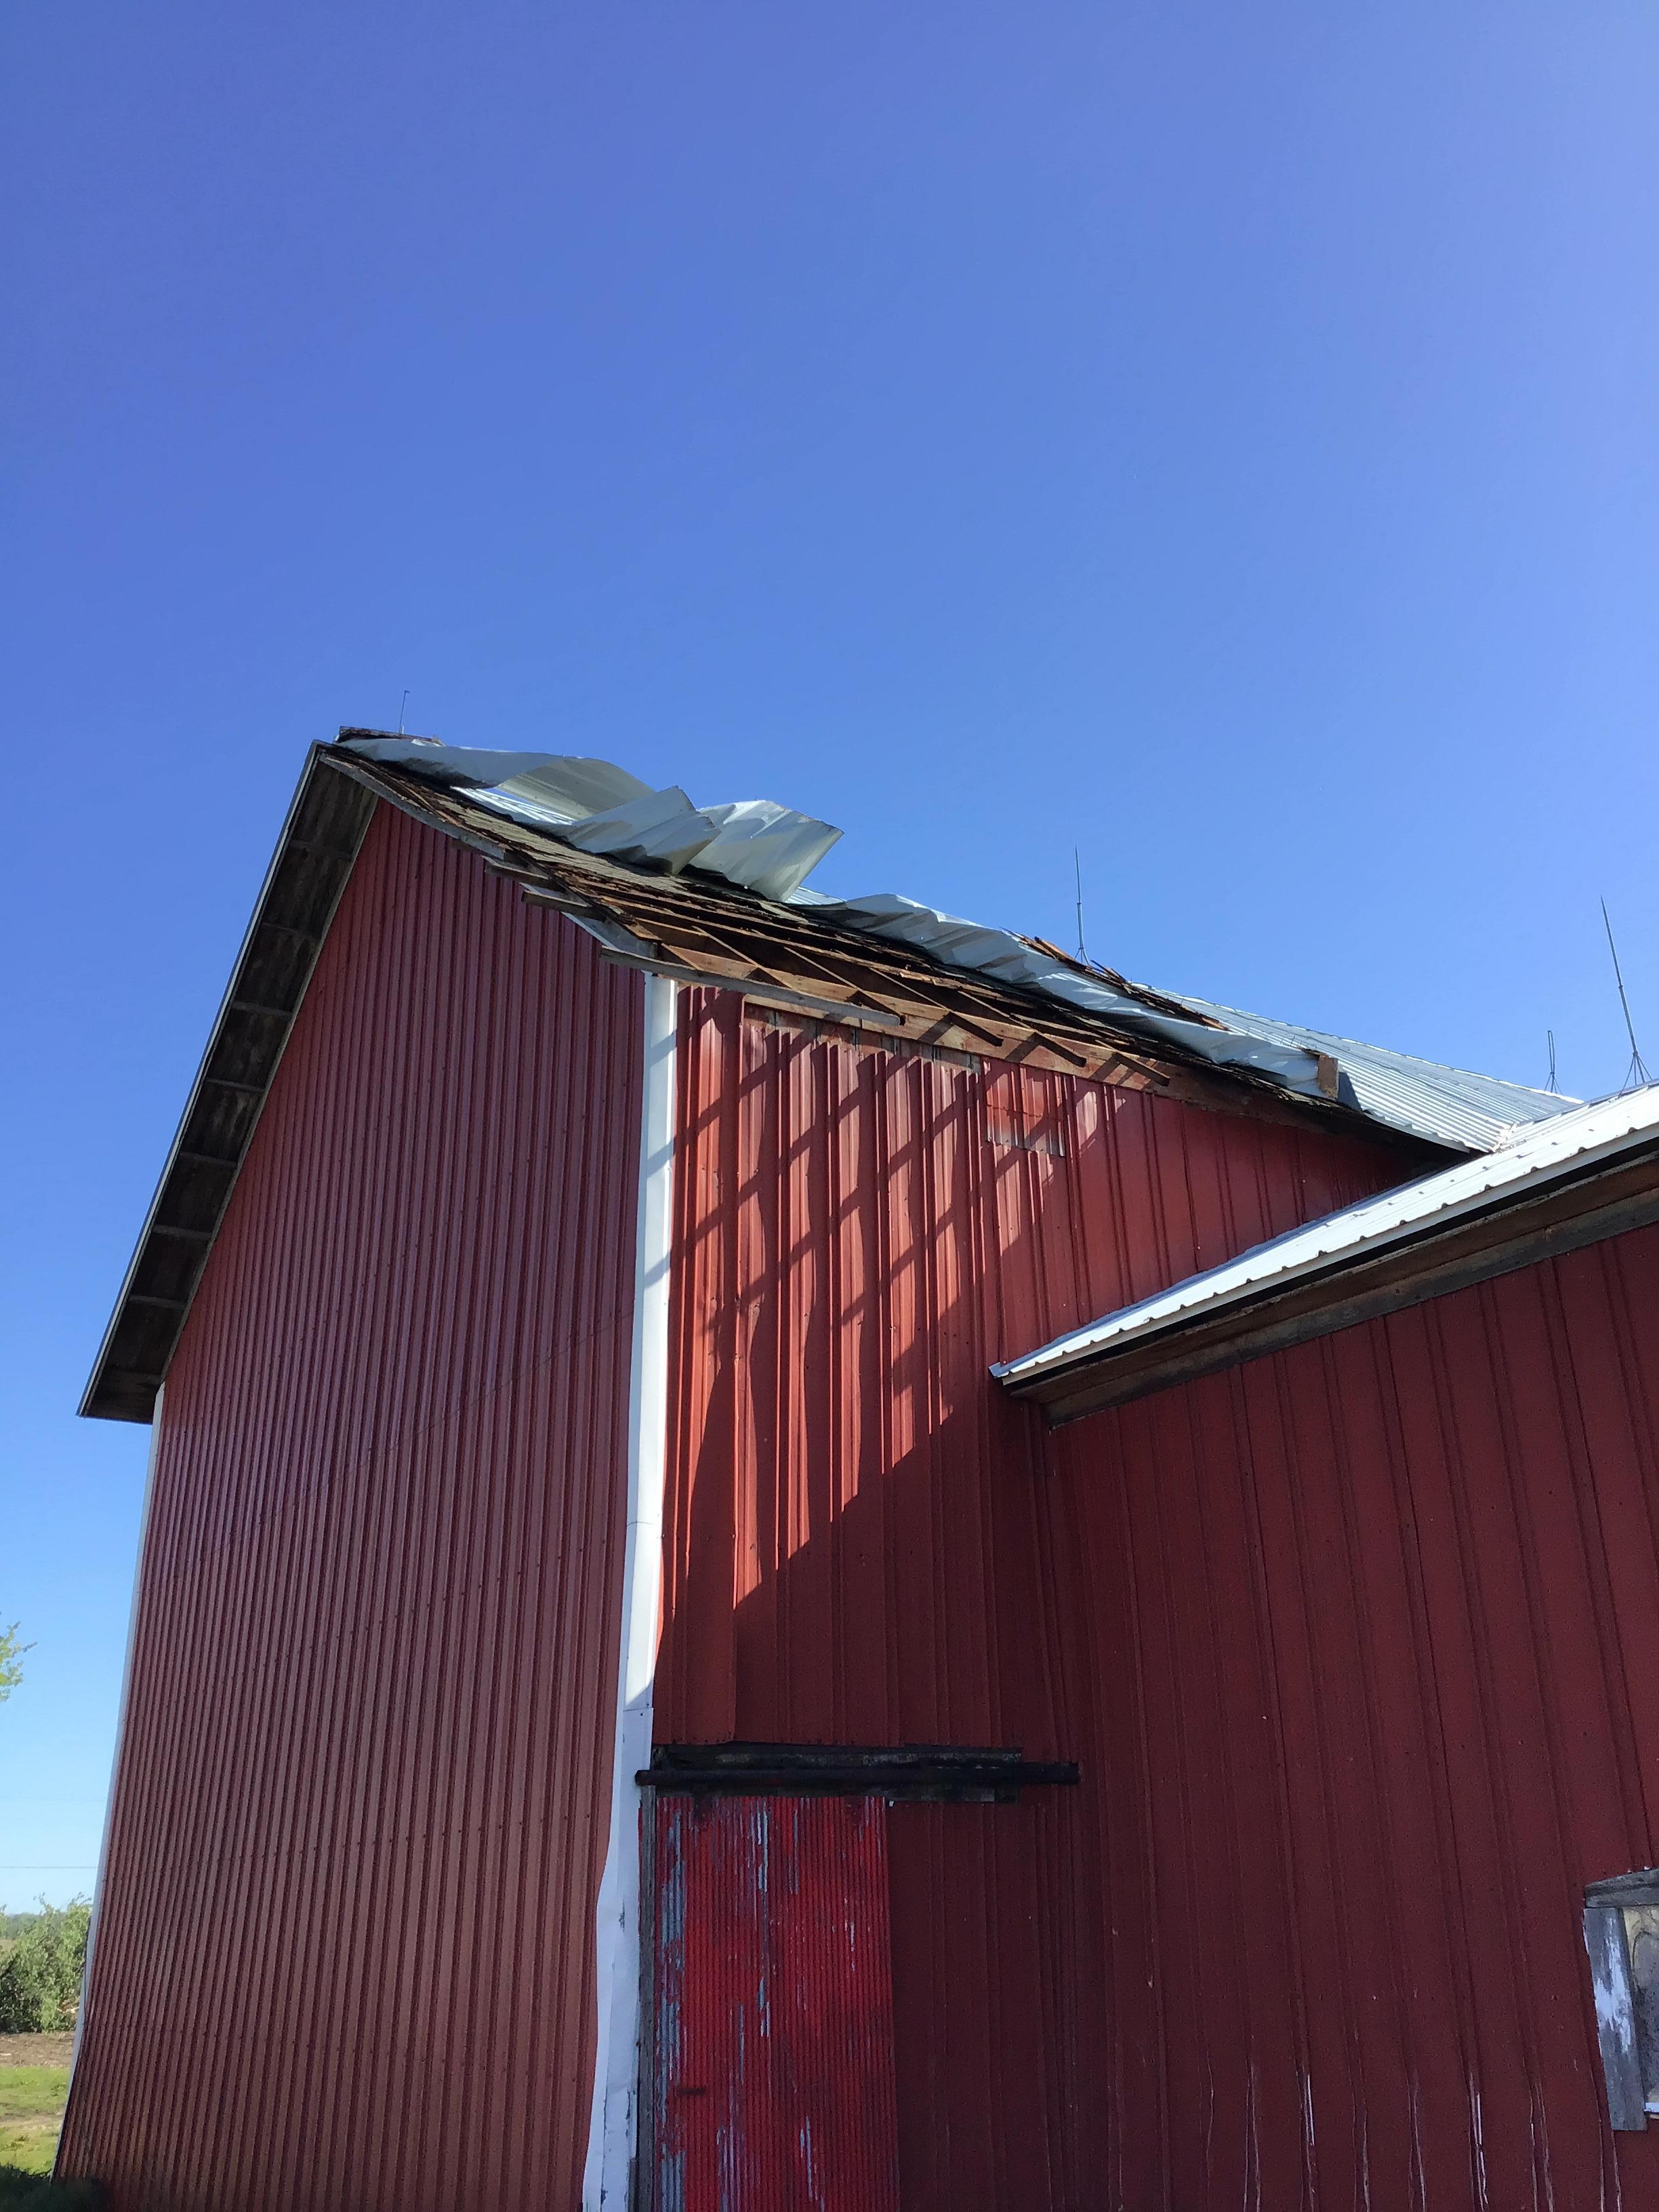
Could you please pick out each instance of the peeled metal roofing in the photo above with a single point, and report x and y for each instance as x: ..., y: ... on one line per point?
x: 1567, y: 1145
x: 598, y: 808
x: 770, y: 849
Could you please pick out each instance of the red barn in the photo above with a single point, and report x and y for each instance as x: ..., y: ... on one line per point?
x: 647, y: 1692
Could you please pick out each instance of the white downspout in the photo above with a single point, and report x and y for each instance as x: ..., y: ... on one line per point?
x: 613, y: 2128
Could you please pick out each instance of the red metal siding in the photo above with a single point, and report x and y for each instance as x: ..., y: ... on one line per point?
x: 345, y: 1956
x: 858, y: 1235
x: 1372, y: 1633
x: 865, y: 1543
x: 773, y: 2065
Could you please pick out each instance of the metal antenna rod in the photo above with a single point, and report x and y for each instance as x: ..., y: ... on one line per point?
x: 1550, y: 1034
x: 403, y: 710
x: 1077, y: 863
x: 1636, y: 1073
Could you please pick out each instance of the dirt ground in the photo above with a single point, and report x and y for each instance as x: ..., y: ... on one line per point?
x: 35, y: 2050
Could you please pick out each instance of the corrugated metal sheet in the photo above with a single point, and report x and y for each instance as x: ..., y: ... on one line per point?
x: 862, y: 1542
x: 1370, y: 1631
x: 345, y: 1949
x: 773, y: 2059
x: 1447, y: 1105
x: 1562, y: 1145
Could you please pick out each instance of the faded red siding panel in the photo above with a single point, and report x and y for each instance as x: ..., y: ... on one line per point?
x: 864, y: 1542
x: 344, y: 1953
x: 1382, y: 1618
x: 773, y: 2059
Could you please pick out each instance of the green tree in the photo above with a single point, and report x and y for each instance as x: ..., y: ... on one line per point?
x: 11, y: 1661
x: 41, y: 1969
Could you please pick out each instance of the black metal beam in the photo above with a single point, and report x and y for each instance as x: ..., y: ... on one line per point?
x: 927, y: 1773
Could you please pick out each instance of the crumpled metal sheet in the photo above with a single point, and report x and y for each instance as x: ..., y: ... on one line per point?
x: 999, y: 952
x: 600, y: 808
x: 565, y: 785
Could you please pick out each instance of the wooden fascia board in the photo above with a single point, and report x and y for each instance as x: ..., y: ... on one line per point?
x: 1518, y: 1233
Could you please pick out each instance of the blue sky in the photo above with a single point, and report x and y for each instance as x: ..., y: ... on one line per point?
x: 1223, y: 438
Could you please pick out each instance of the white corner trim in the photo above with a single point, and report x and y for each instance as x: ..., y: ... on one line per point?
x: 121, y: 1710
x: 613, y: 2128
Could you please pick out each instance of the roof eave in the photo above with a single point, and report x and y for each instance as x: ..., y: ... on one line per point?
x: 319, y: 843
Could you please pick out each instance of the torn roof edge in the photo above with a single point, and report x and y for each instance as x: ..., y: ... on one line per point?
x: 770, y: 849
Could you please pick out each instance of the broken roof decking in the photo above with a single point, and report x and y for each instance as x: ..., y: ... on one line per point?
x: 712, y: 896
x: 761, y: 846
x: 806, y: 959
x: 1579, y: 1179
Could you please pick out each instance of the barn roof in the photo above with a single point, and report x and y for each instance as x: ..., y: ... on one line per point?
x: 717, y: 896
x: 1586, y: 1176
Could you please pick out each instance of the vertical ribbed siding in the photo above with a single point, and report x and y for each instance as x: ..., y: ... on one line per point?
x: 865, y: 1543
x: 1375, y: 1629
x: 344, y: 1955
x: 858, y: 1236
x: 773, y: 2044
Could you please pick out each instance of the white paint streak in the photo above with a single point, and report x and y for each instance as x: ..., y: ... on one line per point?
x: 1476, y: 2145
x: 613, y: 2128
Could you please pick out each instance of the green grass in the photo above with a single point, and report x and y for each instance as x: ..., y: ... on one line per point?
x: 31, y: 2113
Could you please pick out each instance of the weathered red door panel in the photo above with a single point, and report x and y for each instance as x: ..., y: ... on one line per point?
x: 773, y: 2053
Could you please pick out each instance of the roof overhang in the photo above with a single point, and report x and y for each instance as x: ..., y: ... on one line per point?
x: 308, y: 871
x: 1589, y: 1176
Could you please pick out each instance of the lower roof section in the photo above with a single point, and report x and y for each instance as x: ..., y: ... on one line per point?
x: 1571, y: 1182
